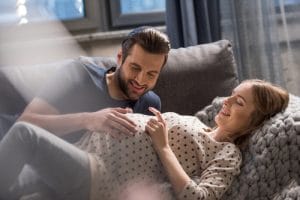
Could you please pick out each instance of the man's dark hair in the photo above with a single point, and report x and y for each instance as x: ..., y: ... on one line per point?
x: 149, y: 38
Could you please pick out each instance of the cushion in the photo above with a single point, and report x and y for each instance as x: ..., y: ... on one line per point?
x: 271, y: 161
x: 193, y: 76
x: 19, y: 84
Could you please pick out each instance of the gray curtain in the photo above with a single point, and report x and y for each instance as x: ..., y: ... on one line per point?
x: 289, y: 28
x: 254, y: 29
x: 192, y: 22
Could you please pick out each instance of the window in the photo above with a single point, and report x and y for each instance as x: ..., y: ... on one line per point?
x: 137, y: 12
x: 75, y: 14
x: 289, y: 5
x: 83, y: 15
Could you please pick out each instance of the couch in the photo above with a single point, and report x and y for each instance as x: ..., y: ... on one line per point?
x: 193, y: 82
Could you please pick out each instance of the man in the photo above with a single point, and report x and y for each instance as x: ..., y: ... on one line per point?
x: 97, y: 99
x: 84, y: 97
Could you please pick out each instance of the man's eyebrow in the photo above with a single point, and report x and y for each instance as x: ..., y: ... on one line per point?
x: 137, y: 65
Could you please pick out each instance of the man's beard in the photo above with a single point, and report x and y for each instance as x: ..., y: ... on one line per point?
x: 123, y: 84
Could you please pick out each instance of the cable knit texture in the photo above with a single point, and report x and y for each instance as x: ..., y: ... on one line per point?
x: 271, y: 161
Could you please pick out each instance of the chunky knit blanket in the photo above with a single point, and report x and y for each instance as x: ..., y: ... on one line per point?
x: 271, y: 161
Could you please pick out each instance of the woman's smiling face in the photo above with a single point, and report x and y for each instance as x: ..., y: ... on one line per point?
x: 235, y: 115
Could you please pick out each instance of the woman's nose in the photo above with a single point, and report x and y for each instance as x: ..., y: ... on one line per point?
x: 228, y: 100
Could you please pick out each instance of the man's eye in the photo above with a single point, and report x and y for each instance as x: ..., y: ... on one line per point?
x: 136, y: 69
x: 151, y: 76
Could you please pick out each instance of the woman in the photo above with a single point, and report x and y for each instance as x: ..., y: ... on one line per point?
x: 199, y: 163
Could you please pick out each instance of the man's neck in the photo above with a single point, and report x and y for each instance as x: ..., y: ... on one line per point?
x: 113, y: 87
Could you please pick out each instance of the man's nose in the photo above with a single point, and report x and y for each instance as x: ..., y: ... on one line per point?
x: 140, y: 78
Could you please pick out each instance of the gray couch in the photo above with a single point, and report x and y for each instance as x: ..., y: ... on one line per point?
x: 196, y: 74
x: 191, y: 80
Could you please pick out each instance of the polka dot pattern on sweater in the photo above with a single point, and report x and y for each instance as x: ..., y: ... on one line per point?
x: 210, y: 164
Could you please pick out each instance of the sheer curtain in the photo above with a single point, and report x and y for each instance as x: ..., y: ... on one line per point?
x: 265, y: 40
x: 289, y: 29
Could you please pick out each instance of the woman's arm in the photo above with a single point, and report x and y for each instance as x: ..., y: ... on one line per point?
x: 178, y: 177
x: 157, y: 130
x: 213, y: 181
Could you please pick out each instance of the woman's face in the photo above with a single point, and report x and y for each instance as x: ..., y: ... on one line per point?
x: 235, y: 115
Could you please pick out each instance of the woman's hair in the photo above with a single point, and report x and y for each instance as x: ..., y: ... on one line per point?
x: 149, y: 38
x: 269, y: 99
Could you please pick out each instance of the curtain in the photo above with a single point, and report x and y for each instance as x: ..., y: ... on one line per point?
x: 289, y: 28
x: 192, y: 22
x: 260, y: 34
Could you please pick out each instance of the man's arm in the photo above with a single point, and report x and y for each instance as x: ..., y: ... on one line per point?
x: 42, y: 114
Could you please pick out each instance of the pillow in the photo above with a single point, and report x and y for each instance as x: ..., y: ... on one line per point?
x: 192, y: 77
x: 271, y: 161
x: 19, y: 84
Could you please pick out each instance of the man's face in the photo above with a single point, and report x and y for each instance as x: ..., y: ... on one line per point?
x: 139, y: 72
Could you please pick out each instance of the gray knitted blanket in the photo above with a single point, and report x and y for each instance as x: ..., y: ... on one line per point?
x: 271, y: 161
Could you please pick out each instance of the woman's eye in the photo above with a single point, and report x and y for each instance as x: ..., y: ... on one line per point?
x: 239, y: 102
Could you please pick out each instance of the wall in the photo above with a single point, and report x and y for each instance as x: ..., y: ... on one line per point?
x: 107, y: 47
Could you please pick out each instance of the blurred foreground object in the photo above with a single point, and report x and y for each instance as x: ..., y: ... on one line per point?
x: 30, y: 32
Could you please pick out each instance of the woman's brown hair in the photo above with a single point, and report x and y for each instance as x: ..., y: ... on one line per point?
x: 269, y: 99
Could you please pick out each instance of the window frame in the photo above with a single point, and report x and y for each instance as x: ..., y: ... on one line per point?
x: 295, y: 7
x: 118, y: 19
x: 102, y: 16
x: 91, y: 20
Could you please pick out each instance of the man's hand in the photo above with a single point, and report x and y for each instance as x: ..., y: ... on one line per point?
x: 111, y: 120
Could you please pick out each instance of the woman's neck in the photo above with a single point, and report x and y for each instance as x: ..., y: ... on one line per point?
x: 221, y: 136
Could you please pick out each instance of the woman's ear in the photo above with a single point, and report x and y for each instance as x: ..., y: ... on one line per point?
x: 119, y: 57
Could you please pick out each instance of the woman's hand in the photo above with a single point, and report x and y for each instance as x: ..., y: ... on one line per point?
x: 157, y: 130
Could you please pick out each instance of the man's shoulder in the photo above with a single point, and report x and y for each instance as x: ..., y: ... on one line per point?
x: 92, y: 68
x: 150, y: 96
x: 98, y: 63
x: 150, y: 99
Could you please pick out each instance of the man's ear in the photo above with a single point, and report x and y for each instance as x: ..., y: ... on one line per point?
x: 119, y: 57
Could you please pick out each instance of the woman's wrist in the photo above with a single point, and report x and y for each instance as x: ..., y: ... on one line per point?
x: 164, y: 150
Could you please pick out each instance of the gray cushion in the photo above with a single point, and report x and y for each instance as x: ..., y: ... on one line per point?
x: 195, y: 75
x: 192, y: 77
x: 19, y: 84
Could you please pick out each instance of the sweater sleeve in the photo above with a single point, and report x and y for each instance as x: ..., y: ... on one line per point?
x: 215, y: 178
